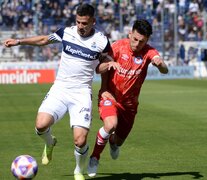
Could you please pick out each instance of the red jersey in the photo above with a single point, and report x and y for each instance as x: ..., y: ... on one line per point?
x: 126, y: 84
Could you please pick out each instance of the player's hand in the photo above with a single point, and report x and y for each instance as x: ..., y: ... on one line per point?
x: 160, y: 64
x: 114, y: 65
x: 106, y: 95
x: 11, y: 42
x: 157, y: 61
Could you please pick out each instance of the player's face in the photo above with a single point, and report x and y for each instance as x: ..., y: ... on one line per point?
x: 137, y: 41
x: 85, y: 25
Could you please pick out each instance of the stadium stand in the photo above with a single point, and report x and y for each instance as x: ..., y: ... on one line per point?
x: 29, y: 17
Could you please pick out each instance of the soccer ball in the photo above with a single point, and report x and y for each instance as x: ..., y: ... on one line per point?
x: 24, y: 167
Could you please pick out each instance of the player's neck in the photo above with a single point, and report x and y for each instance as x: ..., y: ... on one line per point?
x: 91, y: 33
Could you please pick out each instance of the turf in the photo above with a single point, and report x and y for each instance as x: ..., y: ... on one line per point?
x: 168, y: 141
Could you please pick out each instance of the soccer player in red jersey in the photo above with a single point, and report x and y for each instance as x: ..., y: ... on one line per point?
x: 118, y: 96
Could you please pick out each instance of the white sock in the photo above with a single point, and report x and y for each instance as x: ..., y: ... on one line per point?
x: 46, y: 136
x: 80, y: 156
x: 103, y: 133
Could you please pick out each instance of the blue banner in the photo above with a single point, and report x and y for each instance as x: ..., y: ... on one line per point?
x: 175, y: 72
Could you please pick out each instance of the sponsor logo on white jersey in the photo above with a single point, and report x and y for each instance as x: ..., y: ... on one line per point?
x: 80, y: 53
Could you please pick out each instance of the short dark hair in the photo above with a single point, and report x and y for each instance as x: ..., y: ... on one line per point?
x: 143, y: 27
x: 85, y: 10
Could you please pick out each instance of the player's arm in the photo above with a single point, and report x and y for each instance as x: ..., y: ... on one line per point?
x: 160, y: 64
x: 102, y: 69
x: 103, y: 92
x: 35, y: 41
x: 107, y: 63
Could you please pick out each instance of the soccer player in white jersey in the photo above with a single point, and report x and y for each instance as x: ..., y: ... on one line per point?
x: 71, y: 91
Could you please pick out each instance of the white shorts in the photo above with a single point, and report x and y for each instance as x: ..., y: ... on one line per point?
x: 77, y: 102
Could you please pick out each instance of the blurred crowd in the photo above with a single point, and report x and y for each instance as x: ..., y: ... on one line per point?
x: 114, y: 18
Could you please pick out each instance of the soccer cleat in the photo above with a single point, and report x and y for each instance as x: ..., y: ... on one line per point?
x: 79, y: 177
x: 47, y: 153
x: 114, y: 151
x: 92, y: 167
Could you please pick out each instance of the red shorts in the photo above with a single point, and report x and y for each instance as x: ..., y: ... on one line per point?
x: 125, y: 116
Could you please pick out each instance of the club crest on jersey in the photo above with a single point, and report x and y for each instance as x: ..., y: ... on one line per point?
x: 93, y: 45
x: 107, y: 103
x: 138, y: 60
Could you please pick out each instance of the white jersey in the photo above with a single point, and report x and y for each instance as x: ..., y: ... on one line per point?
x: 79, y: 56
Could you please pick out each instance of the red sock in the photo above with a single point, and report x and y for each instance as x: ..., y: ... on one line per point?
x: 100, y: 144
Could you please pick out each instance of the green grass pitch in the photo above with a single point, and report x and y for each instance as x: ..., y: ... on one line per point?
x: 168, y: 141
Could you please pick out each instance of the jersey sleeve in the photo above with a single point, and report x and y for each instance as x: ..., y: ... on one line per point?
x: 57, y: 36
x: 114, y: 53
x: 106, y: 51
x: 152, y: 52
x: 107, y: 48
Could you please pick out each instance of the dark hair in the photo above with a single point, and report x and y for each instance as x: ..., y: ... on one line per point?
x: 143, y: 27
x: 85, y: 10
